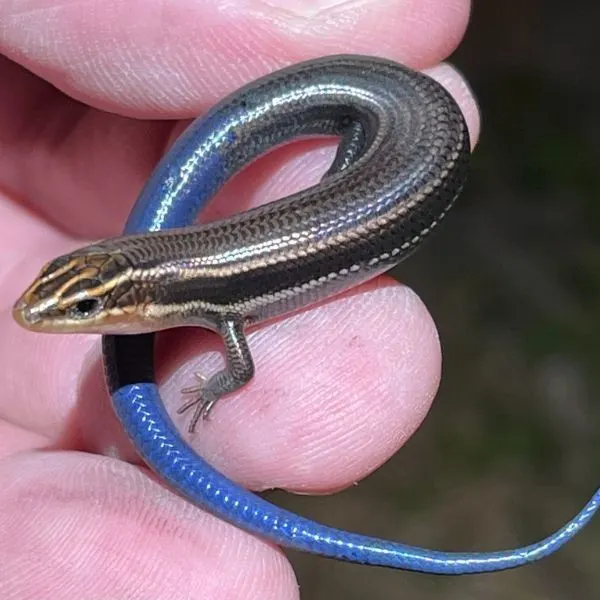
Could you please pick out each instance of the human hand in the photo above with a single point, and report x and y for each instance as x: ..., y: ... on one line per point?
x: 70, y: 173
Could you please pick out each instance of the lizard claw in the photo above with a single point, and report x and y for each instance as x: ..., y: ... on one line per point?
x: 204, y: 401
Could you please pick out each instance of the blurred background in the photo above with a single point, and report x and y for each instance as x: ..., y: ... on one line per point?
x: 510, y: 450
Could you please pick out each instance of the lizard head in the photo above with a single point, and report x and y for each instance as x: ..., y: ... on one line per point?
x: 86, y: 291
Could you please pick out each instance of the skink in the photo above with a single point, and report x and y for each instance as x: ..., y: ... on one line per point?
x: 401, y: 163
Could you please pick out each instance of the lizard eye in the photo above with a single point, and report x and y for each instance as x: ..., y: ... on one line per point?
x: 85, y: 308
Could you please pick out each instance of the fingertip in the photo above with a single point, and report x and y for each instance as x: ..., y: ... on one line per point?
x: 163, y: 541
x: 338, y: 390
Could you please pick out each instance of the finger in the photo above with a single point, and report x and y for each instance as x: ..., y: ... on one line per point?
x: 88, y: 167
x: 121, y: 535
x: 175, y: 58
x: 337, y: 391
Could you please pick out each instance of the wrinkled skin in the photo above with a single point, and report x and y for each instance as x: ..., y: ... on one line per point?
x: 69, y: 174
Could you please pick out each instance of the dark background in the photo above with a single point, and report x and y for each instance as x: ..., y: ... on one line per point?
x: 510, y: 450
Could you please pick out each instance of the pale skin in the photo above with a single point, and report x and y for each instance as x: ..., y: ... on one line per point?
x: 74, y: 518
